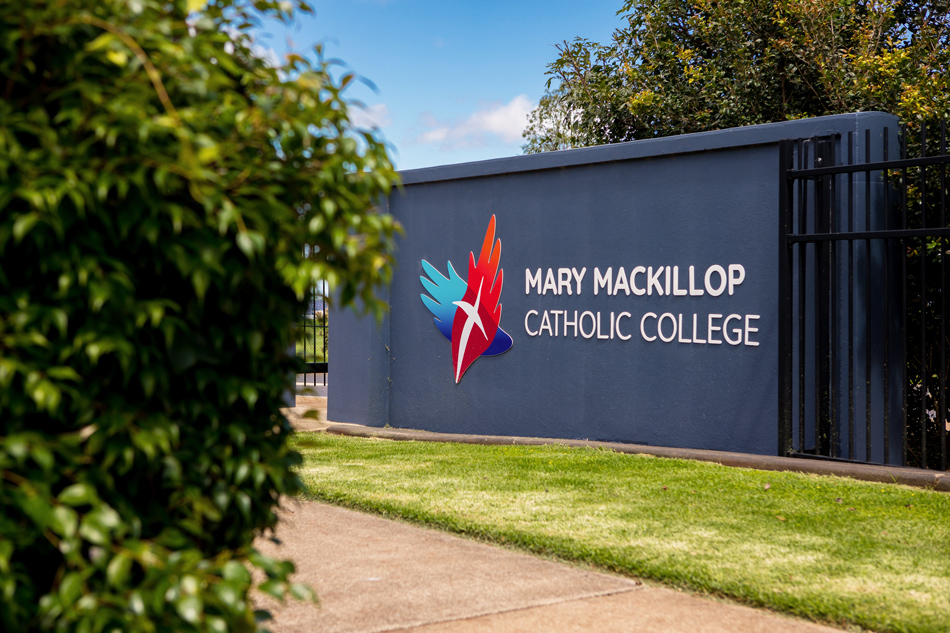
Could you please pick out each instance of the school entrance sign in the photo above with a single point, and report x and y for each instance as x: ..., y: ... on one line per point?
x: 641, y: 302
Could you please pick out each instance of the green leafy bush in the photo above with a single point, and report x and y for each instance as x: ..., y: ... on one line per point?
x: 158, y: 184
x: 683, y: 66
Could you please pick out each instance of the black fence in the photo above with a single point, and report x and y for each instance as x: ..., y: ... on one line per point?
x: 312, y: 332
x: 863, y: 315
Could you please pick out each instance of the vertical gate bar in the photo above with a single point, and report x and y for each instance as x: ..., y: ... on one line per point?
x: 819, y: 291
x: 832, y: 278
x: 306, y: 339
x: 785, y: 300
x: 887, y: 348
x: 887, y: 325
x: 867, y: 305
x: 802, y: 253
x: 904, y: 219
x: 942, y: 416
x: 923, y: 353
x: 312, y: 338
x: 903, y: 172
x: 850, y: 299
x: 922, y: 253
x: 326, y: 326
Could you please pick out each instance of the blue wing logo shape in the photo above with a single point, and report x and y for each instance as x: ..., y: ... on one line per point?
x: 444, y: 292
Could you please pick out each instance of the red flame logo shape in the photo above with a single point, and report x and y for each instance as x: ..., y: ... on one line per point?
x: 479, y: 313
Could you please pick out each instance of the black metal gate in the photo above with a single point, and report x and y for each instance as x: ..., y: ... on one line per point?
x: 863, y: 321
x: 312, y: 337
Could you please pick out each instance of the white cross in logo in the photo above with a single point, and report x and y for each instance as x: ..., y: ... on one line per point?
x: 471, y: 311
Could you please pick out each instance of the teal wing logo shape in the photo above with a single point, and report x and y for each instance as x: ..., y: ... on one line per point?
x: 445, y: 292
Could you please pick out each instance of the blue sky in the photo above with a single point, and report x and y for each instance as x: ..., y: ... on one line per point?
x: 454, y: 80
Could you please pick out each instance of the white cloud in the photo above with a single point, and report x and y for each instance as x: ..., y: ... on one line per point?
x: 497, y: 122
x: 266, y: 53
x: 368, y: 117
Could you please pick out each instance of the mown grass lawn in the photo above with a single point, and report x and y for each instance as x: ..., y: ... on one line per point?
x: 827, y: 548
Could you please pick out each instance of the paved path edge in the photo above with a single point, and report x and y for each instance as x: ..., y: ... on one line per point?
x: 918, y: 477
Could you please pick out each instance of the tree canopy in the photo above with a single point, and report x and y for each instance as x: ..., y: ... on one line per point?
x: 680, y: 66
x: 167, y: 198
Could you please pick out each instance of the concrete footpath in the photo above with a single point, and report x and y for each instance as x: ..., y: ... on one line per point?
x: 374, y: 574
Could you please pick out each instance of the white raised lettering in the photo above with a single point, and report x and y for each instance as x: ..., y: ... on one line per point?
x: 696, y: 340
x: 621, y: 283
x: 693, y: 290
x: 633, y: 286
x: 526, y: 328
x: 654, y: 280
x: 557, y: 317
x: 677, y: 292
x: 532, y: 281
x: 680, y: 329
x: 593, y: 324
x: 748, y: 329
x: 659, y: 327
x: 563, y: 280
x: 619, y: 334
x: 604, y: 337
x: 545, y: 324
x: 549, y: 283
x: 578, y: 277
x: 737, y: 331
x: 713, y: 328
x: 570, y: 323
x: 736, y: 276
x: 604, y: 281
x: 715, y: 268
x: 642, y: 331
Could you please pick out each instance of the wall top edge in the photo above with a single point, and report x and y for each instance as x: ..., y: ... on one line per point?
x: 762, y: 134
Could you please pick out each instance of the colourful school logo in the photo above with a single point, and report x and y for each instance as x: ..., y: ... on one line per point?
x: 468, y: 313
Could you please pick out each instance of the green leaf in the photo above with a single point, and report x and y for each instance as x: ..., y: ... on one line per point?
x: 119, y: 58
x: 38, y: 509
x: 64, y: 521
x: 216, y: 624
x: 262, y: 615
x: 236, y: 572
x: 117, y: 572
x: 6, y: 551
x: 77, y: 495
x: 96, y: 526
x: 229, y: 595
x: 208, y: 154
x: 275, y: 588
x: 201, y: 279
x: 250, y: 395
x: 190, y: 608
x: 70, y: 588
x: 245, y: 243
x: 136, y: 603
x: 100, y: 42
x: 303, y: 592
x: 23, y: 224
x: 63, y: 373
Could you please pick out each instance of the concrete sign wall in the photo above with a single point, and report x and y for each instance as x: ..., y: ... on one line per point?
x: 637, y: 285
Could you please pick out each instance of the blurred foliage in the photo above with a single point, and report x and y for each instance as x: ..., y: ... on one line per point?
x: 681, y: 66
x: 158, y: 183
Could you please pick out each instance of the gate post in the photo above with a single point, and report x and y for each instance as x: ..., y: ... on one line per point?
x: 786, y: 200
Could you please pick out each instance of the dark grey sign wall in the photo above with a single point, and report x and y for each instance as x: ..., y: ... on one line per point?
x: 701, y: 201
